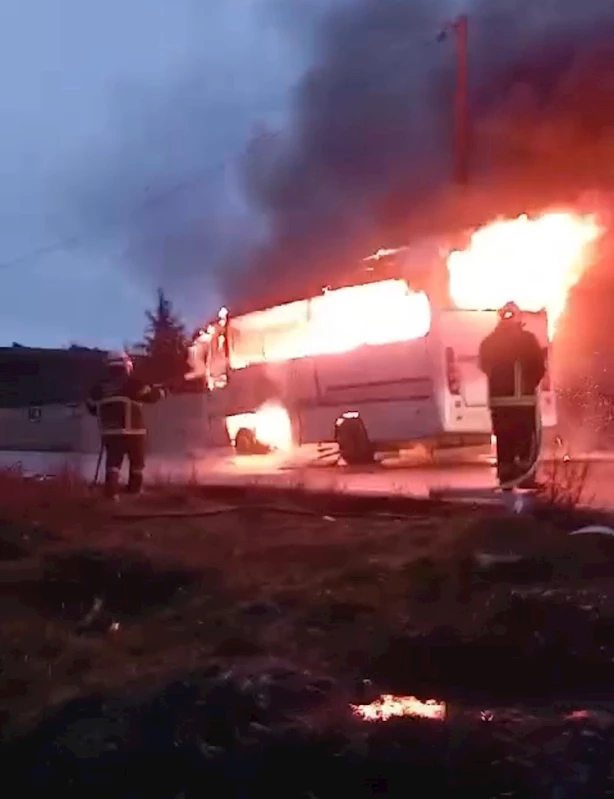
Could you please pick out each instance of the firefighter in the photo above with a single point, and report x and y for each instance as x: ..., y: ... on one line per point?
x: 514, y: 364
x: 117, y: 401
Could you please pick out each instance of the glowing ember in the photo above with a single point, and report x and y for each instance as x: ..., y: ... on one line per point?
x: 384, y: 253
x: 270, y: 424
x: 389, y: 706
x: 531, y: 261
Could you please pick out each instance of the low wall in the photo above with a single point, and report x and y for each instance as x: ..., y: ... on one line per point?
x: 51, y: 428
x: 178, y: 425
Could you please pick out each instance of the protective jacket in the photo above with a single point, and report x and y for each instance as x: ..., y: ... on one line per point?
x: 118, y: 403
x: 514, y: 364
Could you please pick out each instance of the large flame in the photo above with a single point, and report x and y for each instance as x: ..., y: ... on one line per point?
x: 389, y: 706
x: 336, y: 322
x: 374, y: 313
x: 533, y: 262
x: 273, y: 426
x: 270, y: 425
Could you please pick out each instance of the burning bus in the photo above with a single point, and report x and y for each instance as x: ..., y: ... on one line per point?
x: 382, y: 364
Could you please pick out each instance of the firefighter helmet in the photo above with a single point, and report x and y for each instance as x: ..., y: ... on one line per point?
x: 510, y: 311
x: 120, y: 360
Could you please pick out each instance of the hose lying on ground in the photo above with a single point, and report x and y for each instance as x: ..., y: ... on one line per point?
x: 493, y: 492
x: 594, y: 529
x: 140, y: 515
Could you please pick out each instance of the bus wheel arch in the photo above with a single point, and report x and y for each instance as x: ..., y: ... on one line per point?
x: 246, y: 443
x: 355, y: 446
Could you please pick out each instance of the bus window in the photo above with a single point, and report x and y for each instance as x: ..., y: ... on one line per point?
x: 245, y: 346
x: 217, y: 362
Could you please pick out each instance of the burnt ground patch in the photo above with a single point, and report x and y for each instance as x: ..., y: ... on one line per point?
x: 331, y: 579
x: 327, y: 502
x: 245, y: 735
x: 531, y: 647
x: 126, y: 583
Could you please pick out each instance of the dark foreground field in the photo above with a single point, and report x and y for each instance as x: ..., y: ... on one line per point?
x: 191, y: 644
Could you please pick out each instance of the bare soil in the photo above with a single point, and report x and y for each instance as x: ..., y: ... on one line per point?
x: 193, y: 641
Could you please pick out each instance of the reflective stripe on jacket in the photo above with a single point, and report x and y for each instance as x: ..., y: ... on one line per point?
x: 518, y: 398
x: 119, y: 406
x: 514, y: 364
x: 126, y: 408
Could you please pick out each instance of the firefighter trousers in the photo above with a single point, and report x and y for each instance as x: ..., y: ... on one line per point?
x: 515, y: 428
x: 117, y: 448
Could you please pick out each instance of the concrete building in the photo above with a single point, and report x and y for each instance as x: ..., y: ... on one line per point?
x: 42, y: 395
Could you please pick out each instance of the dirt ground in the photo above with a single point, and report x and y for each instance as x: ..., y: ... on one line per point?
x: 227, y: 637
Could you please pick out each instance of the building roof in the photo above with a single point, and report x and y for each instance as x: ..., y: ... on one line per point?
x: 32, y: 376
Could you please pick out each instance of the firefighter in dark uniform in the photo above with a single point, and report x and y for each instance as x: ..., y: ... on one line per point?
x: 117, y: 401
x: 514, y: 363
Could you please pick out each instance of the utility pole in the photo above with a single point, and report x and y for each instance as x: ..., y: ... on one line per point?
x: 459, y: 28
x: 461, y: 102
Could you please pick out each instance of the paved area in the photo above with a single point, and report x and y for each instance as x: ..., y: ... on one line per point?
x: 407, y: 475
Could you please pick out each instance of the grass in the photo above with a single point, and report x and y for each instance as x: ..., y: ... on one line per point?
x: 95, y: 605
x: 324, y: 581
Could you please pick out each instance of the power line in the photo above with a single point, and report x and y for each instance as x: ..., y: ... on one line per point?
x: 64, y: 244
x: 149, y: 203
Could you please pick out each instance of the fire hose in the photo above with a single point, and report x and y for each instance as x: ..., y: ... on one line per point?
x: 536, y: 448
x: 490, y: 493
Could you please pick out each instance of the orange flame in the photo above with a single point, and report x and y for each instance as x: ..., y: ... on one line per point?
x: 273, y: 426
x: 389, y: 706
x: 338, y: 321
x: 270, y: 424
x: 533, y: 262
x: 374, y: 313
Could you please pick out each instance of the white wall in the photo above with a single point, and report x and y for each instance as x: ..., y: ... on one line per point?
x: 177, y: 426
x: 56, y: 429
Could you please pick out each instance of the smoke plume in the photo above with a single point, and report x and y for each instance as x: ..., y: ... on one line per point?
x: 363, y: 157
x: 370, y: 123
x: 167, y: 183
x: 367, y: 159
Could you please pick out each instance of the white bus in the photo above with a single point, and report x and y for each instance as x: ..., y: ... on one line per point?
x: 371, y: 367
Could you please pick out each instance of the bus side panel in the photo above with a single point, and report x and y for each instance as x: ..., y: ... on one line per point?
x: 291, y: 383
x: 391, y: 422
x: 456, y: 342
x: 538, y: 324
x: 397, y: 370
x: 463, y: 388
x: 390, y: 385
x: 246, y: 390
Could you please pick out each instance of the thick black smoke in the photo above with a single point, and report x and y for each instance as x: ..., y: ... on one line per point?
x: 371, y: 119
x: 368, y: 158
x: 364, y: 158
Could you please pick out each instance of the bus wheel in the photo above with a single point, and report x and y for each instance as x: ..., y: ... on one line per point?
x: 354, y: 445
x: 245, y: 442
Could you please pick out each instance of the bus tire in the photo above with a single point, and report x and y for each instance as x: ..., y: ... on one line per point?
x: 245, y: 442
x: 354, y: 445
